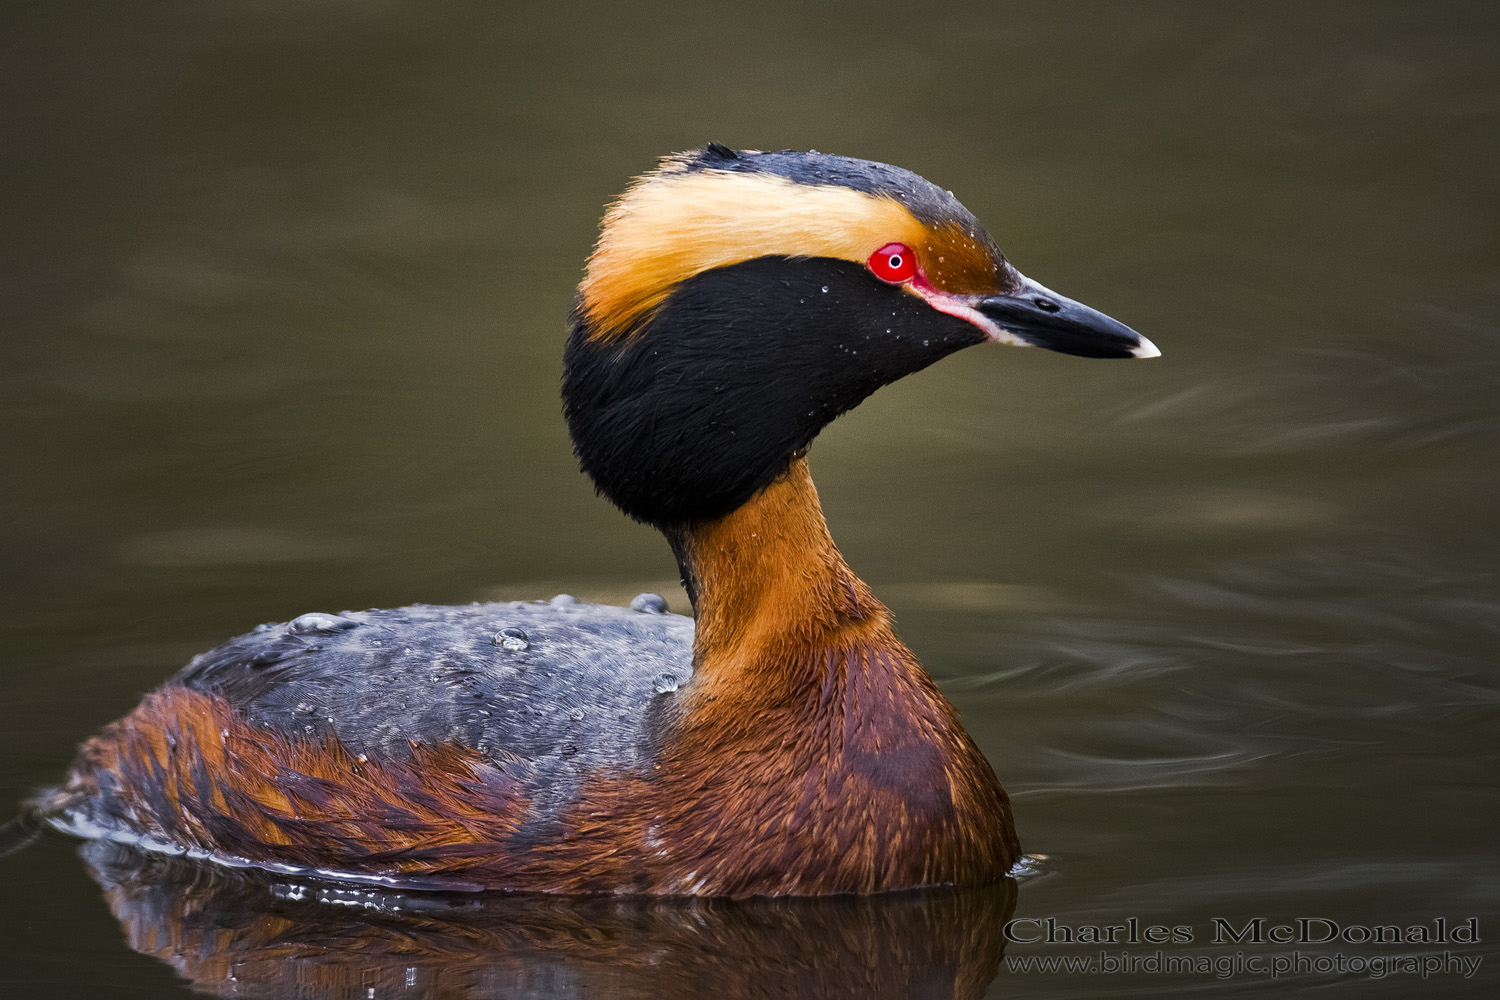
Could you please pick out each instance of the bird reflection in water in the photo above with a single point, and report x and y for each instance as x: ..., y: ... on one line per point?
x: 251, y: 934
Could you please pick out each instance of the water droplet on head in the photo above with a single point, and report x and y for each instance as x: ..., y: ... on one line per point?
x: 563, y: 600
x: 666, y: 683
x: 825, y: 288
x: 512, y: 640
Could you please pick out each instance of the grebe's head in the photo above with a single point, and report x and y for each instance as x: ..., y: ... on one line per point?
x: 738, y: 301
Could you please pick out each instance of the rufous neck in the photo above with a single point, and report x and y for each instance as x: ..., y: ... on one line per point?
x: 770, y: 588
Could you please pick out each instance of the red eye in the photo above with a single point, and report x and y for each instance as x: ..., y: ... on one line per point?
x: 894, y: 262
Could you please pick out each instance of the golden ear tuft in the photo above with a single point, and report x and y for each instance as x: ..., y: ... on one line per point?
x: 682, y: 219
x: 674, y: 223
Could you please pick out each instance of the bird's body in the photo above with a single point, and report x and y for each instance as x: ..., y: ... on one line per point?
x: 566, y: 747
x: 786, y: 743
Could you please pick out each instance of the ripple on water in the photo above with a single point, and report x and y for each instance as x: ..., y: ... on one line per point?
x: 1277, y: 663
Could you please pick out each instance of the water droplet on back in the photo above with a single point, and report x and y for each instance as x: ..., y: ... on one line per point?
x: 666, y: 683
x: 512, y: 640
x: 317, y: 621
x: 653, y: 604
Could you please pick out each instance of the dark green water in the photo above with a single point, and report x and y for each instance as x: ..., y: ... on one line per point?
x: 283, y: 299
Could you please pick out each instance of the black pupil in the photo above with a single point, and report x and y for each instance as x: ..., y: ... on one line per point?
x: 895, y: 261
